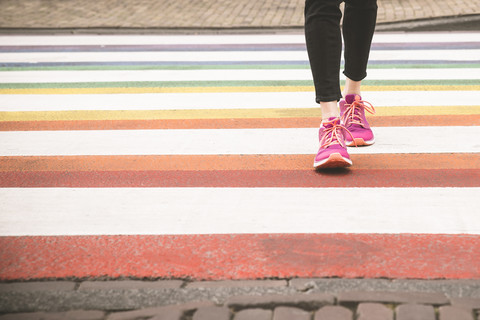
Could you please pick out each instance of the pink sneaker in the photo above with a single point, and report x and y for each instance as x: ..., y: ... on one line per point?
x: 352, y: 111
x: 333, y: 150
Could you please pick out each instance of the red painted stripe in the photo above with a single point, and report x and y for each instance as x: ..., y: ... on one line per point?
x: 245, y: 178
x: 250, y: 256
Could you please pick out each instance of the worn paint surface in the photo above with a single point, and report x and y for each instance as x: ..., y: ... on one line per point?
x: 191, y: 157
x: 242, y: 256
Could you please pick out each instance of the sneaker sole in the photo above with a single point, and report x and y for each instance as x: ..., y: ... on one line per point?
x: 358, y: 142
x: 335, y: 160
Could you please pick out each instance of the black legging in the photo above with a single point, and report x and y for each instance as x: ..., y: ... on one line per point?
x: 324, y: 42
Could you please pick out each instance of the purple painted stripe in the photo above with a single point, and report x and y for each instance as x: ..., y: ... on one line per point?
x: 228, y: 47
x: 216, y: 63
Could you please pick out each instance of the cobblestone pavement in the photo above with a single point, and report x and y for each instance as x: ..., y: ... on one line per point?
x: 200, y: 14
x: 313, y: 299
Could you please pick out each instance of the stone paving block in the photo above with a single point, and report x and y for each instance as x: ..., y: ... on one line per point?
x: 470, y: 303
x: 165, y: 311
x: 415, y: 312
x: 169, y: 312
x: 288, y: 313
x: 334, y: 313
x: 238, y: 284
x: 130, y: 284
x: 455, y: 313
x: 69, y: 315
x: 212, y: 313
x: 374, y: 311
x: 254, y: 314
x: 303, y: 301
x: 452, y: 288
x: 84, y: 315
x: 393, y: 297
x: 23, y: 316
x: 175, y: 314
x: 37, y: 286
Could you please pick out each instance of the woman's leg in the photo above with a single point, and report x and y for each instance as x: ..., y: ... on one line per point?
x: 358, y: 27
x: 324, y: 47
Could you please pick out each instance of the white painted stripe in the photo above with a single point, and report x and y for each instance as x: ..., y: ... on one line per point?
x: 42, y: 40
x: 385, y: 37
x: 425, y: 37
x: 225, y: 75
x: 229, y: 141
x: 160, y: 211
x: 195, y: 56
x: 233, y: 100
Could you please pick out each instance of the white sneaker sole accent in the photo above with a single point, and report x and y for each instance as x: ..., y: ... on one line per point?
x: 335, y: 160
x: 358, y: 142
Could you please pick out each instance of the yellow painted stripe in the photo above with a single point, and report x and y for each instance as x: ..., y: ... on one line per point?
x: 227, y: 89
x: 220, y: 113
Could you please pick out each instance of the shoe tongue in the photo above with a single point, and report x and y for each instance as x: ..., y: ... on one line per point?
x: 330, y: 122
x: 350, y: 98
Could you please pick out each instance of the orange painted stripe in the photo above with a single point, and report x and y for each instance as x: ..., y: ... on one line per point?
x: 294, y: 122
x: 232, y: 162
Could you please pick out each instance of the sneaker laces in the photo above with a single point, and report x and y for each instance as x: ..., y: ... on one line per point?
x: 352, y: 111
x: 333, y: 134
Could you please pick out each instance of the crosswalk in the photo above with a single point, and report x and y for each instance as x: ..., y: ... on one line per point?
x: 191, y: 156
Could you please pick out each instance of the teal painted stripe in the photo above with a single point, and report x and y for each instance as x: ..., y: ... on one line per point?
x: 179, y: 84
x: 231, y: 67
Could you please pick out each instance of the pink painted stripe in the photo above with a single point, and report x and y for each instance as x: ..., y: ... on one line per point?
x: 250, y: 256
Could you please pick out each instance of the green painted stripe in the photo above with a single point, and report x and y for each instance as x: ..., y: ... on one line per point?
x: 179, y: 84
x: 233, y: 67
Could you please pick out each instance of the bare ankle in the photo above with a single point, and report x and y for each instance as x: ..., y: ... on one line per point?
x: 329, y: 110
x: 352, y: 87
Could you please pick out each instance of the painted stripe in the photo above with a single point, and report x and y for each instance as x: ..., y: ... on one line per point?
x: 229, y: 141
x: 407, y: 178
x: 425, y: 37
x: 427, y: 115
x: 239, y: 123
x: 234, y: 162
x: 385, y: 37
x: 169, y: 211
x: 144, y: 90
x: 194, y: 65
x: 299, y: 114
x: 222, y: 75
x: 227, y: 47
x: 218, y: 56
x: 265, y: 85
x: 217, y: 257
x: 74, y: 40
x: 225, y: 101
x: 188, y: 222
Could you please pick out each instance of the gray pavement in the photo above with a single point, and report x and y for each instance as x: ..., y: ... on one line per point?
x: 262, y: 299
x: 217, y: 14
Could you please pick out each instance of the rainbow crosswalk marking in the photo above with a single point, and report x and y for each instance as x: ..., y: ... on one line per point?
x: 191, y: 157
